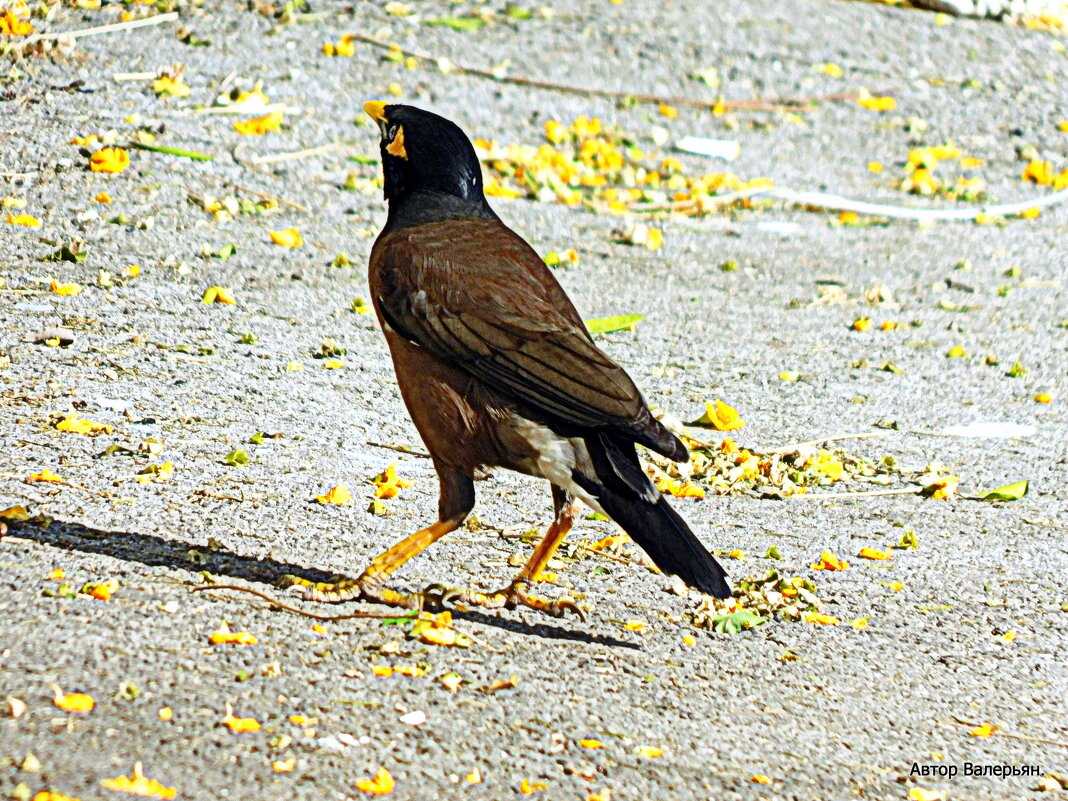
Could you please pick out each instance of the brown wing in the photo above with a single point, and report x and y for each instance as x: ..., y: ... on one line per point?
x: 476, y: 295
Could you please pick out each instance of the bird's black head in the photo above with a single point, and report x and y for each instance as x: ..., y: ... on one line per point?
x: 424, y: 152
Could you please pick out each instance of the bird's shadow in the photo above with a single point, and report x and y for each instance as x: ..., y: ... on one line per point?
x: 155, y: 551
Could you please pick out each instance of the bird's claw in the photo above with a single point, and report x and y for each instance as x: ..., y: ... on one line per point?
x: 439, y: 596
x: 510, y: 597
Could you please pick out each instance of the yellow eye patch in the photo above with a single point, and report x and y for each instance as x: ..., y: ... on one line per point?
x: 396, y: 147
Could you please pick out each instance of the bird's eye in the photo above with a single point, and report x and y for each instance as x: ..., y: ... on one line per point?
x: 391, y: 133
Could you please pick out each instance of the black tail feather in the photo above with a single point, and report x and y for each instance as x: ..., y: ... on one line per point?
x: 664, y: 535
x: 628, y: 497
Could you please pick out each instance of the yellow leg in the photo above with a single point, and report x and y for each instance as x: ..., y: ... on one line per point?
x: 455, y: 502
x: 369, y: 584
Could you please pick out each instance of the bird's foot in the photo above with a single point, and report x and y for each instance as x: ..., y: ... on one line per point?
x: 515, y: 594
x: 343, y: 588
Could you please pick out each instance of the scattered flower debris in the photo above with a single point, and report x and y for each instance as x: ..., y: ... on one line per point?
x: 139, y: 784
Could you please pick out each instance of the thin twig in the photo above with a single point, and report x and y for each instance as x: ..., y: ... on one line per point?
x: 266, y: 195
x: 399, y: 449
x: 837, y: 438
x: 831, y: 202
x: 337, y: 618
x: 705, y: 203
x: 622, y: 560
x: 295, y: 610
x: 754, y: 104
x: 868, y: 494
x: 159, y: 19
x: 274, y: 158
x: 240, y: 109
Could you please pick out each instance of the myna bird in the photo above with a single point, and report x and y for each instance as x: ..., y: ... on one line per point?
x: 497, y: 369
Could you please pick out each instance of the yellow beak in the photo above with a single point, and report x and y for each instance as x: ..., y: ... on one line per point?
x: 376, y: 109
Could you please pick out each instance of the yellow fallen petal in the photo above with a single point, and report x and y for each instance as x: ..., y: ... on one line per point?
x: 165, y: 713
x: 338, y: 496
x: 591, y: 743
x: 139, y: 784
x: 820, y: 619
x: 75, y: 425
x: 828, y: 561
x: 241, y: 725
x: 25, y: 220
x: 65, y: 290
x: 529, y: 788
x: 381, y: 783
x: 649, y: 751
x: 873, y: 553
x: 218, y: 294
x: 287, y: 237
x: 224, y: 636
x: 760, y: 778
x: 51, y: 795
x: 170, y: 85
x: 12, y: 25
x: 1043, y: 397
x: 382, y: 671
x: 985, y: 730
x: 923, y: 794
x: 109, y: 159
x: 258, y: 126
x: 45, y: 475
x: 858, y: 623
x: 874, y: 103
x: 82, y: 703
x: 720, y: 416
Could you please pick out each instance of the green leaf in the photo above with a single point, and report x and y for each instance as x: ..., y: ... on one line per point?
x: 364, y: 159
x: 1010, y: 492
x: 400, y: 621
x: 456, y: 23
x: 237, y: 458
x: 257, y: 438
x: 226, y: 251
x: 773, y: 553
x: 341, y: 260
x: 597, y: 516
x: 72, y: 253
x: 517, y: 12
x: 249, y: 339
x: 909, y: 541
x: 621, y: 322
x: 174, y: 151
x: 736, y: 622
x: 1017, y: 370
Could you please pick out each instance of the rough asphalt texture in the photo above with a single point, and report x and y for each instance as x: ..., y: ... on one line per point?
x: 848, y: 719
